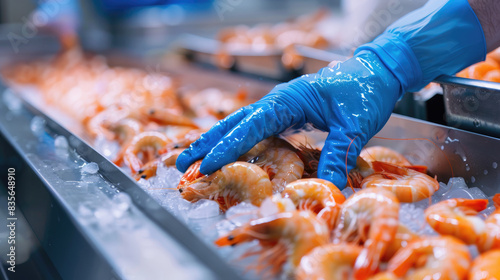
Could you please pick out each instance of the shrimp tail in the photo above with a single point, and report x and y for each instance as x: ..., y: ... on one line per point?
x: 474, y: 205
x: 419, y: 168
x: 402, y: 262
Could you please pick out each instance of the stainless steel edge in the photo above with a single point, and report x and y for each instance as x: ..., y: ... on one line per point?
x: 448, y: 152
x: 452, y: 80
x: 471, y: 104
x: 145, y: 205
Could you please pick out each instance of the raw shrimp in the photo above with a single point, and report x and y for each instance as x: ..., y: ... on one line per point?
x: 490, y: 237
x: 313, y: 194
x: 148, y: 143
x: 368, y: 217
x: 486, y: 266
x: 442, y: 257
x: 282, y: 165
x: 233, y: 183
x: 149, y: 169
x: 284, y: 237
x: 457, y: 217
x: 329, y: 262
x: 407, y: 184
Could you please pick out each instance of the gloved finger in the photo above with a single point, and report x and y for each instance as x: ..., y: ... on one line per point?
x: 208, y: 140
x: 338, y: 157
x: 266, y: 120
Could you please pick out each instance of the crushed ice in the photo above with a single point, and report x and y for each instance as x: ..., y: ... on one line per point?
x: 90, y: 168
x: 37, y: 126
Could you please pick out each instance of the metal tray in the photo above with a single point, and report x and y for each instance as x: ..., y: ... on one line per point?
x: 471, y: 104
x: 454, y: 153
x: 265, y: 64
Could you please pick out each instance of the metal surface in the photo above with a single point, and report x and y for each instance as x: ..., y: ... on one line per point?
x: 472, y: 104
x: 448, y: 152
x: 315, y: 59
x: 263, y: 64
x: 147, y: 242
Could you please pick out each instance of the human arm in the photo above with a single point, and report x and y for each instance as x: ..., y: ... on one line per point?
x: 488, y: 11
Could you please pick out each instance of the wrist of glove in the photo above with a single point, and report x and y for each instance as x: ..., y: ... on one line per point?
x: 352, y: 101
x: 442, y: 37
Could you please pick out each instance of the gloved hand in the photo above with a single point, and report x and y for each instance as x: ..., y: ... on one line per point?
x: 353, y: 100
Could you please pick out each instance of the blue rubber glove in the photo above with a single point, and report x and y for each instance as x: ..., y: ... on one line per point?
x: 353, y: 100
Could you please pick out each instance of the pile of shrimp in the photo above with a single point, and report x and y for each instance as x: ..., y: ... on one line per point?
x: 307, y: 229
x: 279, y: 37
x: 488, y: 70
x: 146, y: 113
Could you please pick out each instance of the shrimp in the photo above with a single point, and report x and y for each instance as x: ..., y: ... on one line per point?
x: 486, y: 266
x: 313, y: 194
x: 284, y: 237
x: 148, y: 143
x: 368, y: 155
x: 215, y: 102
x: 282, y: 165
x: 126, y: 129
x: 457, y: 217
x: 100, y: 123
x: 149, y: 169
x: 490, y: 238
x: 379, y: 153
x: 234, y: 183
x: 370, y: 217
x: 329, y: 262
x: 187, y: 138
x: 442, y: 257
x: 262, y: 146
x: 407, y: 184
x: 168, y: 117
